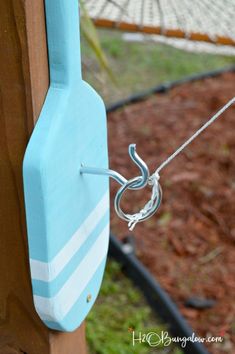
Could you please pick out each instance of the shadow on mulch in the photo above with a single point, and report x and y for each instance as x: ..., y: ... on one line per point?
x: 189, y: 245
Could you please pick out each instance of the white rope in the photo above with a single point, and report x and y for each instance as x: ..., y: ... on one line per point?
x: 134, y: 219
x: 194, y: 136
x: 154, y: 178
x: 210, y: 18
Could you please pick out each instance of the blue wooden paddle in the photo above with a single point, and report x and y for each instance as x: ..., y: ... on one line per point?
x: 67, y: 212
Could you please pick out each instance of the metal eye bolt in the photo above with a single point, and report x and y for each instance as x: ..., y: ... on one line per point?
x: 138, y: 182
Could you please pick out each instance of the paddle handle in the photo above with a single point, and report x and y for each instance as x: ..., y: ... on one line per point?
x: 63, y: 33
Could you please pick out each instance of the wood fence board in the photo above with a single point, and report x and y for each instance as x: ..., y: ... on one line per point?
x: 23, y: 86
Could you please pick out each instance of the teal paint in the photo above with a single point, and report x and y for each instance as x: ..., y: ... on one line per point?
x: 67, y: 213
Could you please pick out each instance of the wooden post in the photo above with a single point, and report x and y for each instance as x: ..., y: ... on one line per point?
x: 23, y: 87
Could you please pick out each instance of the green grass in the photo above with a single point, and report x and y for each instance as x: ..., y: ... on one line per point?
x: 119, y: 307
x: 139, y: 66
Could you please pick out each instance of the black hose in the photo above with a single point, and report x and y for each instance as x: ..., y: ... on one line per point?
x: 157, y: 298
x: 162, y: 88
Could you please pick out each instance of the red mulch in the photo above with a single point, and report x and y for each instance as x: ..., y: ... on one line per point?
x: 189, y: 245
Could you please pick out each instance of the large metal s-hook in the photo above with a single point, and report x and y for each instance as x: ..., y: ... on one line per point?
x: 138, y: 182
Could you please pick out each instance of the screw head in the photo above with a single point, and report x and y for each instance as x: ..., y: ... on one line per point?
x: 89, y: 297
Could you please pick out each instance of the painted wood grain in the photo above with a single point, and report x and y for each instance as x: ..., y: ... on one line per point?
x: 23, y: 86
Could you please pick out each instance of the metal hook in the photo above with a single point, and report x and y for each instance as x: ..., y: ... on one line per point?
x: 140, y: 182
x: 149, y: 209
x: 135, y: 183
